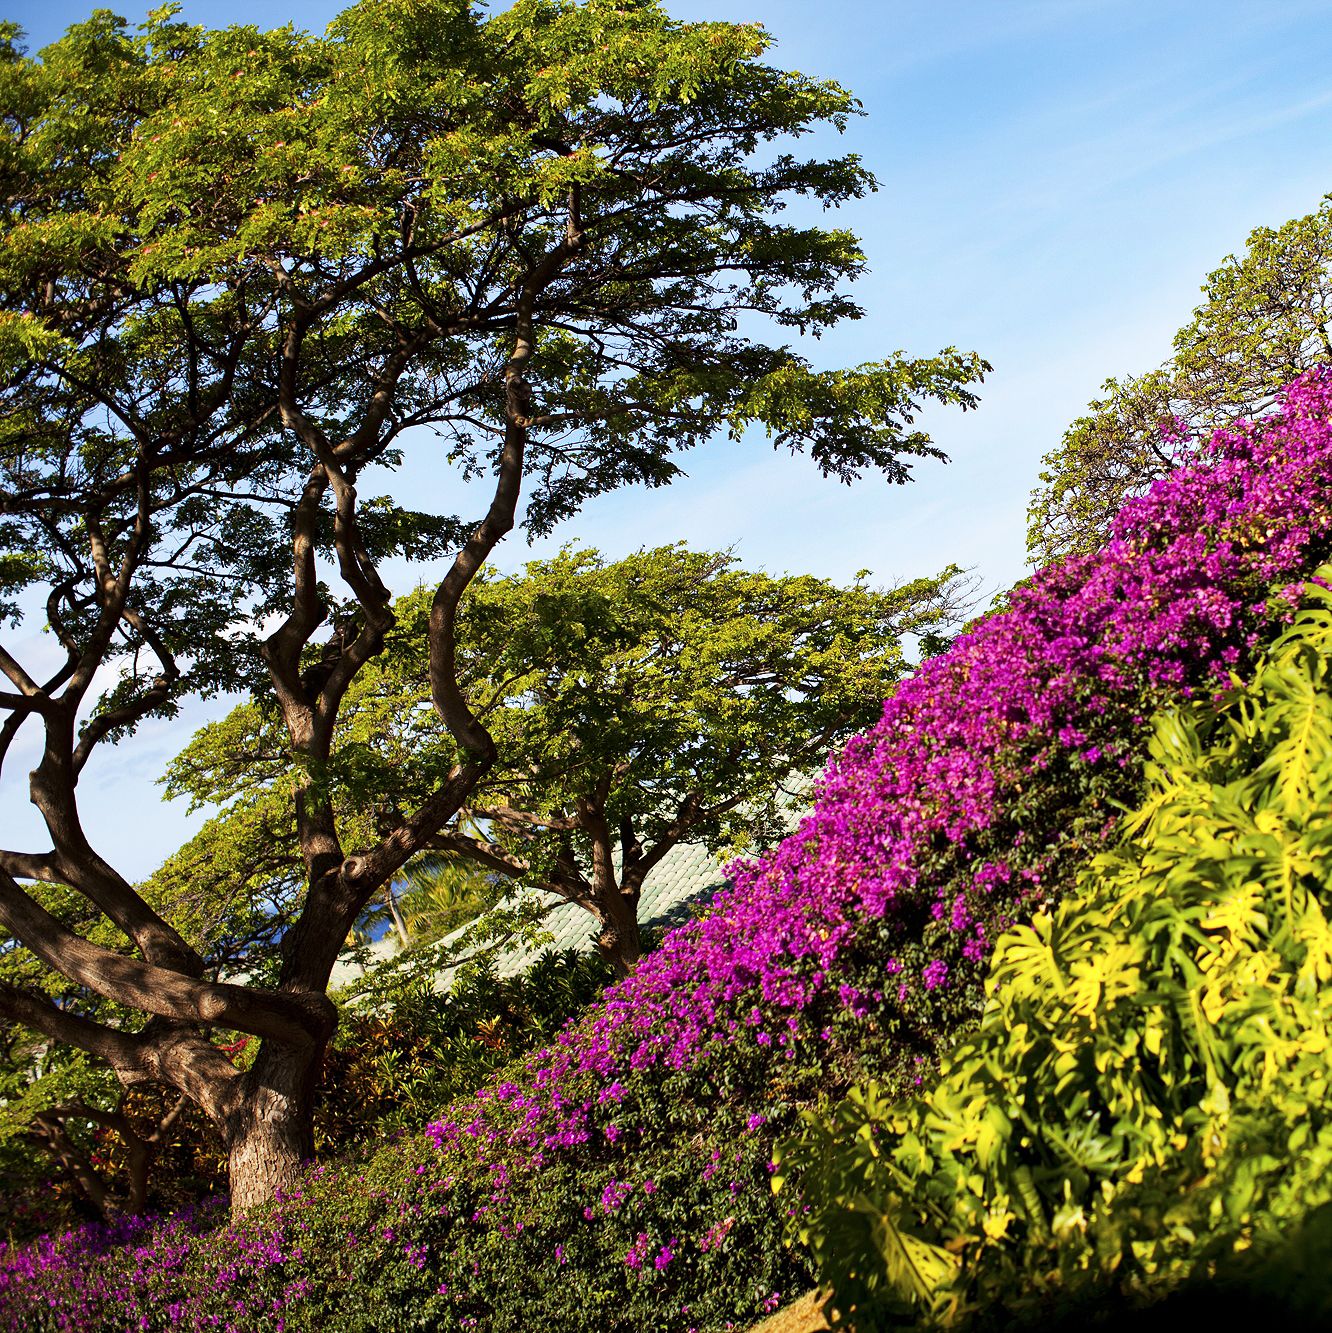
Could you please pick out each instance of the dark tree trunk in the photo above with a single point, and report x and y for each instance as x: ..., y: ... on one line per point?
x: 619, y: 942
x: 268, y: 1129
x: 139, y: 1161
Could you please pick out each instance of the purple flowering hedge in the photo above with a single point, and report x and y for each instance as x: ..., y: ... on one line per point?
x: 618, y: 1179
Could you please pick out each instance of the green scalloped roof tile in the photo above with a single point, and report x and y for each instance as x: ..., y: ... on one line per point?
x: 685, y: 880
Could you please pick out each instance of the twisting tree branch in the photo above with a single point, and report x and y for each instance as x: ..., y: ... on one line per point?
x: 157, y: 990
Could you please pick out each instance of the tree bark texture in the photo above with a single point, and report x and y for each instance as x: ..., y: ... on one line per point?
x: 619, y: 941
x: 267, y: 1127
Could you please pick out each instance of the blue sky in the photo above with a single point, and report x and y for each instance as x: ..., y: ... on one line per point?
x: 1057, y: 179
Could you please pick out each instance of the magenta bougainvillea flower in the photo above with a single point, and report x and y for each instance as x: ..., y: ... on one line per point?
x: 1064, y: 677
x: 994, y: 761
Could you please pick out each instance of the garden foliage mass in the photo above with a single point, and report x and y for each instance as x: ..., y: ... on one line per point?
x: 620, y: 1177
x: 1147, y: 1094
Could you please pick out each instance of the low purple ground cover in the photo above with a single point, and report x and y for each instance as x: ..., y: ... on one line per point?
x: 618, y: 1177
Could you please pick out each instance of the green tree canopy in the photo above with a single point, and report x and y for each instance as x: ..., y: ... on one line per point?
x: 664, y: 698
x: 1264, y: 320
x: 243, y: 275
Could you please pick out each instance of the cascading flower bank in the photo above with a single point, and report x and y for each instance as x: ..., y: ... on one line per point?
x: 1062, y: 680
x: 622, y: 1170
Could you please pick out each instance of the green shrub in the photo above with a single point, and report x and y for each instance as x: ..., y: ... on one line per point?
x: 404, y: 1047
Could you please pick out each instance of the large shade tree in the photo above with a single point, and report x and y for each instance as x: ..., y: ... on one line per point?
x: 74, y: 1140
x: 669, y: 697
x: 242, y: 273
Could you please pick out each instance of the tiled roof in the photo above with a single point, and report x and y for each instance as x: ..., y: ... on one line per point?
x: 684, y: 881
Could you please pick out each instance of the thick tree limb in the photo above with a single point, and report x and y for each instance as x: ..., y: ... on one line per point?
x: 483, y: 853
x: 123, y: 1051
x: 156, y: 990
x: 30, y: 865
x: 52, y: 787
x: 282, y: 648
x: 519, y: 820
x: 27, y: 687
x: 10, y: 728
x: 592, y: 818
x: 445, y: 691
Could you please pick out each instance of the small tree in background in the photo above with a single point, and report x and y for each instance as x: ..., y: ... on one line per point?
x: 242, y: 270
x: 662, y: 699
x: 1264, y: 321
